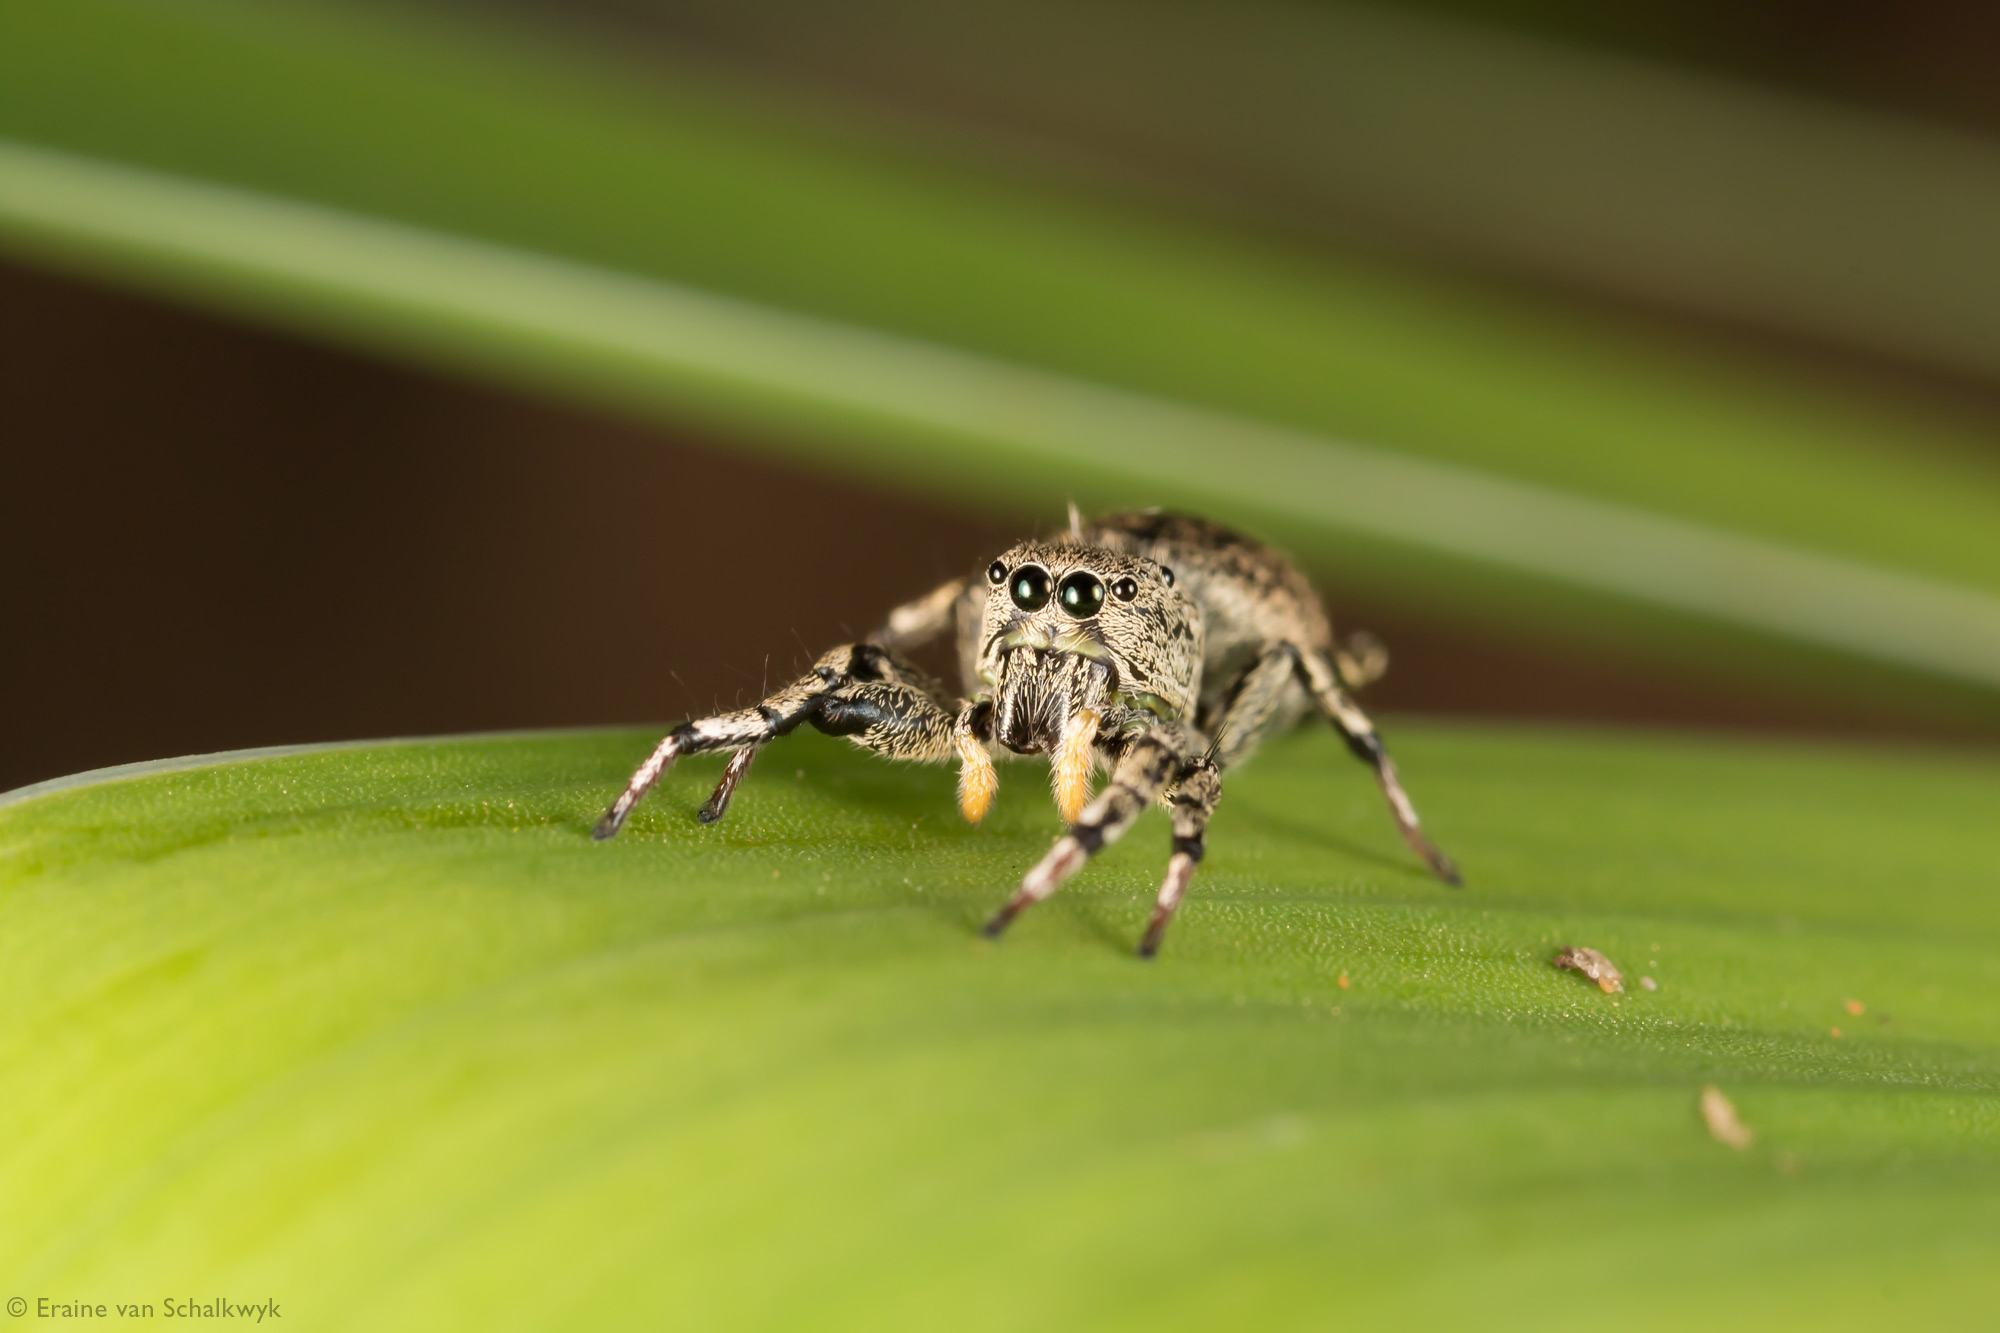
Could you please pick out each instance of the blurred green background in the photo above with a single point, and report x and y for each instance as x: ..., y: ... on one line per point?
x: 373, y: 369
x: 1709, y: 364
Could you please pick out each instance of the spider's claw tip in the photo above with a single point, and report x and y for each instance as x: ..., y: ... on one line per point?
x: 706, y: 815
x: 1000, y: 920
x: 1448, y: 872
x: 605, y: 829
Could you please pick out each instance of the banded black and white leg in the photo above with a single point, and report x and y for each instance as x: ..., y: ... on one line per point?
x: 861, y: 691
x: 1192, y: 803
x: 1322, y: 679
x: 1147, y: 765
x: 1265, y: 694
x: 717, y: 804
x: 1160, y: 760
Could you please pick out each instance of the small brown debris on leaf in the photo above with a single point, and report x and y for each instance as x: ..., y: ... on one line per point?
x: 1343, y: 981
x: 1836, y: 1032
x: 1854, y: 1007
x: 1720, y: 1116
x: 1593, y: 965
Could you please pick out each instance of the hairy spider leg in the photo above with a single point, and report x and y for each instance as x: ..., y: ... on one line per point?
x: 1193, y: 802
x: 1247, y: 717
x: 659, y: 761
x: 1258, y: 700
x: 717, y: 804
x: 1149, y: 764
x: 916, y: 623
x: 1323, y: 682
x: 859, y: 691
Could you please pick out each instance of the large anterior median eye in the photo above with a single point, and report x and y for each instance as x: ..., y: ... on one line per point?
x: 1031, y: 587
x: 1081, y: 595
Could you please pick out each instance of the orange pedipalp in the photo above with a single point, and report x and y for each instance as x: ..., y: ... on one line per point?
x: 977, y: 782
x: 1070, y: 767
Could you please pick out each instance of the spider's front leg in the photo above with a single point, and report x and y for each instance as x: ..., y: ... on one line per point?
x: 1148, y: 765
x: 861, y: 691
x: 1193, y: 802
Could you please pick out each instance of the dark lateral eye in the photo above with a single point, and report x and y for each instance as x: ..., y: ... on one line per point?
x: 1031, y: 587
x: 996, y: 573
x: 1082, y: 595
x: 1125, y: 589
x: 1168, y: 575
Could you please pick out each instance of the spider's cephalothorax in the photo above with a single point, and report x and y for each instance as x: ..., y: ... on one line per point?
x: 1077, y: 643
x: 1160, y: 647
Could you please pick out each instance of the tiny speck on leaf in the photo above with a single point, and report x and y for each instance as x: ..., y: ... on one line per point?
x: 1593, y: 965
x: 1719, y: 1114
x: 1649, y: 983
x: 1854, y: 1007
x: 1836, y: 1032
x: 1344, y: 982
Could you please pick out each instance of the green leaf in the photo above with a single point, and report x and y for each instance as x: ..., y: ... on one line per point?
x: 379, y: 1033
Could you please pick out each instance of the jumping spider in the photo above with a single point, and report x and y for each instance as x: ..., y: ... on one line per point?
x: 1161, y: 647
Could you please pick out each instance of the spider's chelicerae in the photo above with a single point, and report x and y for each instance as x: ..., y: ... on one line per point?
x: 1161, y: 647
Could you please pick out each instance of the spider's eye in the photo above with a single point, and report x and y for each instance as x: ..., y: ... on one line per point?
x: 996, y: 573
x: 1031, y: 587
x: 1082, y: 595
x: 1125, y: 589
x: 1168, y: 575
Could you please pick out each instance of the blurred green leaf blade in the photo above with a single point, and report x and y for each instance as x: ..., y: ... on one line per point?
x: 491, y: 135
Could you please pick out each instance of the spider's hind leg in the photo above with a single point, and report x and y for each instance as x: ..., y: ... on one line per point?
x: 861, y: 691
x: 1322, y: 679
